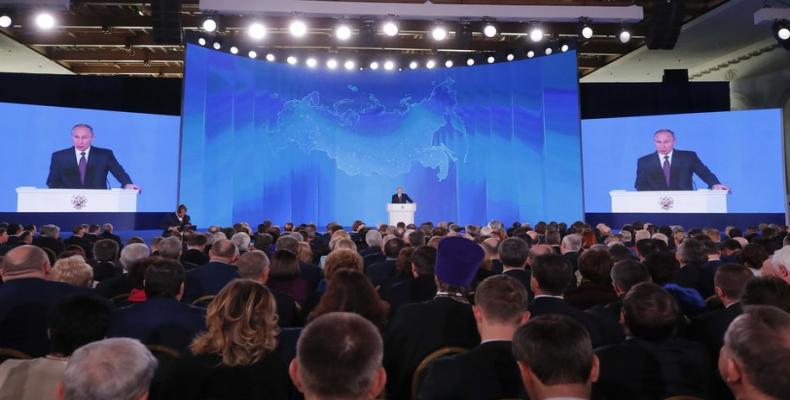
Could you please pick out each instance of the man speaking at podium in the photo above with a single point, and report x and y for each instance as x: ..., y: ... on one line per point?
x: 401, y: 198
x: 84, y: 166
x: 671, y: 169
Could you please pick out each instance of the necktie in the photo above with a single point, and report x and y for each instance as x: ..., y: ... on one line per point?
x: 666, y: 169
x: 83, y: 166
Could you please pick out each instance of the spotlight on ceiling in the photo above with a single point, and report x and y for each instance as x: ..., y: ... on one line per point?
x: 470, y: 61
x: 45, y: 21
x: 389, y: 65
x: 781, y: 30
x: 234, y: 50
x: 530, y: 54
x: 270, y: 57
x: 439, y: 33
x: 624, y: 35
x: 252, y: 54
x: 413, y: 65
x: 510, y: 57
x: 343, y: 32
x: 535, y: 33
x: 564, y: 47
x: 449, y: 63
x: 297, y: 28
x: 349, y: 65
x: 374, y: 65
x: 5, y: 21
x: 489, y: 30
x: 202, y: 41
x: 430, y: 64
x: 256, y: 30
x: 209, y: 25
x: 585, y: 29
x: 331, y: 63
x: 549, y: 51
x: 490, y: 59
x: 292, y: 60
x: 390, y: 28
x: 311, y: 62
x: 217, y: 45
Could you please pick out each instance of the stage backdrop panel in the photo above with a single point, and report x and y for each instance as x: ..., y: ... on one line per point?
x: 146, y: 145
x: 742, y: 148
x: 274, y: 141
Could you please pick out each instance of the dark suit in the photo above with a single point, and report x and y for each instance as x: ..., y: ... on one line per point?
x: 403, y: 198
x: 172, y: 220
x: 207, y: 280
x: 46, y: 242
x: 24, y: 309
x: 193, y: 258
x: 372, y: 255
x: 589, y: 295
x: 684, y: 164
x: 419, y: 329
x: 115, y: 238
x: 552, y: 305
x: 696, y: 277
x: 106, y: 270
x: 381, y: 272
x: 115, y: 286
x: 524, y: 276
x: 486, y: 372
x: 159, y: 320
x: 419, y: 289
x: 608, y: 320
x: 64, y: 170
x: 709, y: 329
x: 638, y: 369
x: 79, y: 241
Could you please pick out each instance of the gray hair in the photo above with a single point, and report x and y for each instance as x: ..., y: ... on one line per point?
x: 781, y: 258
x: 252, y: 264
x: 692, y: 251
x: 641, y: 235
x: 572, y: 242
x: 287, y: 242
x: 241, y: 240
x: 373, y: 238
x: 170, y: 247
x: 107, y: 227
x: 132, y: 253
x: 662, y: 237
x: 49, y: 230
x: 118, y: 369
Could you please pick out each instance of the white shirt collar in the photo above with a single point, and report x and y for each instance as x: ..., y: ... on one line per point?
x: 78, y: 153
x: 661, y: 157
x: 548, y: 295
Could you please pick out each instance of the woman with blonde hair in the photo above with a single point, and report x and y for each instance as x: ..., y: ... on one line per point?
x: 74, y: 271
x: 233, y: 359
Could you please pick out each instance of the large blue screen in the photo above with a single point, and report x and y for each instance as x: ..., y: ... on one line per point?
x: 290, y: 143
x: 742, y: 148
x: 146, y: 145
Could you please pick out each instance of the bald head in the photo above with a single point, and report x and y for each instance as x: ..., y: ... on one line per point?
x: 224, y: 250
x: 23, y: 261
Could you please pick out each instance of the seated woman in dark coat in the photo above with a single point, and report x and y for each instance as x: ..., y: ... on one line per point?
x: 595, y: 288
x: 284, y: 276
x: 233, y: 360
x: 351, y: 291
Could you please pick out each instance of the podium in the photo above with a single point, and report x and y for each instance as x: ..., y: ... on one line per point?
x: 401, y: 213
x: 30, y: 199
x: 672, y: 201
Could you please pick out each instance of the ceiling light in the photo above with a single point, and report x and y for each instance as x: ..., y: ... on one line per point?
x: 292, y: 60
x: 234, y: 50
x: 413, y: 65
x: 390, y: 28
x: 209, y: 25
x: 536, y: 33
x: 252, y: 54
x: 564, y: 47
x: 470, y: 62
x: 448, y: 63
x: 311, y: 62
x: 343, y: 32
x: 374, y: 65
x: 331, y: 63
x: 349, y: 65
x: 389, y: 65
x: 489, y: 30
x: 510, y: 57
x: 781, y: 30
x: 439, y: 33
x: 430, y: 64
x: 217, y: 46
x: 5, y: 21
x: 490, y: 59
x: 270, y: 57
x: 624, y: 35
x: 297, y: 28
x: 45, y: 21
x: 257, y: 30
x: 202, y: 42
x: 530, y: 54
x: 549, y: 51
x: 585, y: 29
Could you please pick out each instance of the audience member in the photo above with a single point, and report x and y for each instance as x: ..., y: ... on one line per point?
x: 74, y: 271
x: 383, y: 271
x: 78, y: 239
x: 664, y: 268
x: 351, y: 291
x: 105, y: 251
x: 308, y: 272
x: 422, y: 286
x: 106, y: 233
x: 285, y: 278
x: 767, y: 291
x: 195, y: 254
x: 50, y: 239
x: 255, y: 265
x: 752, y: 256
x: 625, y: 275
x: 693, y: 256
x: 595, y: 288
x: 131, y: 255
x: 514, y: 253
x: 209, y: 279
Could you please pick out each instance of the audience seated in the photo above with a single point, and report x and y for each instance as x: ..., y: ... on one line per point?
x: 106, y: 233
x: 74, y: 271
x: 351, y: 291
x: 664, y: 268
x: 339, y: 357
x: 422, y: 286
x: 625, y: 274
x: 513, y: 253
x: 255, y: 265
x: 105, y: 251
x: 383, y: 271
x: 26, y: 297
x: 195, y: 254
x: 284, y: 277
x: 49, y: 238
x: 754, y: 358
x: 210, y: 278
x: 161, y: 319
x: 555, y: 358
x: 652, y: 363
x: 232, y: 359
x: 447, y: 320
x: 119, y: 369
x: 767, y: 291
x: 595, y: 288
x: 74, y: 321
x: 130, y: 255
x: 693, y: 256
x: 308, y: 272
x: 488, y: 371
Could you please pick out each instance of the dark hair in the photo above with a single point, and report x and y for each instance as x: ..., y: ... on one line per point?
x: 627, y: 273
x: 650, y: 312
x: 135, y: 239
x: 619, y: 252
x: 753, y: 256
x: 403, y: 262
x: 196, y: 239
x: 553, y: 272
x: 181, y: 207
x: 77, y: 229
x: 731, y: 244
x: 351, y: 291
x: 105, y: 250
x: 163, y: 278
x: 513, y: 252
x: 732, y: 279
x: 502, y: 298
x: 736, y: 232
x: 767, y: 290
x: 663, y: 267
x: 284, y: 265
x: 393, y: 247
x: 556, y: 348
x: 646, y: 247
x: 77, y: 320
x: 416, y: 238
x: 136, y: 271
x: 595, y: 266
x: 424, y: 260
x: 693, y: 251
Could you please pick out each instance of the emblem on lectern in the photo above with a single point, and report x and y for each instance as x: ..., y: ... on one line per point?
x: 79, y: 201
x: 666, y: 203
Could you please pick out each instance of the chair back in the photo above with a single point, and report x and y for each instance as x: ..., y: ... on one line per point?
x: 120, y: 300
x: 203, y: 301
x: 416, y: 380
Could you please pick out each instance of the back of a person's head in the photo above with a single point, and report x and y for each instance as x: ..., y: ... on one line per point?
x: 513, y: 252
x: 572, y: 242
x: 77, y: 320
x: 197, y: 239
x: 627, y: 273
x: 284, y: 265
x: 342, y: 259
x: 556, y: 349
x: 105, y: 250
x: 241, y: 240
x: 753, y: 255
x: 225, y: 249
x: 502, y: 299
x: 339, y: 356
x: 416, y: 238
x: 732, y: 278
x: 646, y: 247
x: 72, y: 270
x: 252, y: 264
x: 393, y: 247
x: 768, y: 291
x: 132, y: 253
x: 163, y: 278
x: 118, y: 369
x: 553, y: 273
x: 373, y: 238
x: 351, y: 291
x: 650, y: 312
x: 663, y: 267
x: 241, y: 322
x: 758, y: 341
x: 424, y: 260
x: 693, y: 251
x: 170, y: 247
x: 619, y: 252
x: 595, y: 266
x: 23, y: 260
x: 287, y: 242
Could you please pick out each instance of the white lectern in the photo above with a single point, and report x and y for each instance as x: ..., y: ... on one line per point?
x: 30, y: 199
x: 673, y: 201
x: 401, y: 213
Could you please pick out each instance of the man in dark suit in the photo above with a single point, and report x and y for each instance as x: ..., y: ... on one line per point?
x: 50, y: 239
x: 123, y: 284
x: 107, y: 234
x: 374, y: 253
x: 195, y: 254
x: 625, y: 275
x: 421, y: 328
x: 309, y: 272
x: 652, y: 363
x: 513, y: 252
x: 209, y: 279
x: 178, y: 220
x: 385, y: 271
x: 26, y: 297
x: 106, y: 253
x: 399, y: 197
x: 255, y: 265
x: 488, y: 371
x: 161, y: 319
x: 84, y: 166
x: 77, y: 238
x: 422, y: 287
x: 693, y: 256
x: 670, y: 169
x: 551, y: 276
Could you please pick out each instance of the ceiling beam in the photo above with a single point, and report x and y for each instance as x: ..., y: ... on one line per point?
x: 127, y: 69
x: 137, y: 55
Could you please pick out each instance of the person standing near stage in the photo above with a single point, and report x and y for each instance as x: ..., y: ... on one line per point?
x: 399, y: 197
